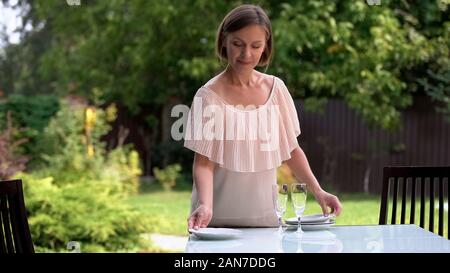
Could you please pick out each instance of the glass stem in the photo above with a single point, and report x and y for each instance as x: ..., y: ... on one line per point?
x: 280, y: 224
x: 299, y: 226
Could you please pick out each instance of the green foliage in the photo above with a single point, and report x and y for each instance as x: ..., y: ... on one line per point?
x: 123, y: 165
x: 368, y: 55
x: 120, y: 42
x: 10, y: 161
x: 71, y: 153
x: 437, y: 82
x: 83, y: 211
x: 20, y: 64
x: 353, y: 51
x: 170, y: 152
x: 63, y: 145
x: 439, y: 90
x: 32, y: 114
x: 168, y: 176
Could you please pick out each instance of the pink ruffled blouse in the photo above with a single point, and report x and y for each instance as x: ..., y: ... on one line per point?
x: 247, y: 145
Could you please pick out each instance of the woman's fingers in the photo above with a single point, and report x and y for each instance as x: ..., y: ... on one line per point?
x: 194, y: 220
x: 329, y: 201
x: 337, y: 207
x: 324, y: 208
x: 204, y: 220
x: 197, y: 222
x: 200, y: 218
x: 191, y: 222
x: 207, y: 220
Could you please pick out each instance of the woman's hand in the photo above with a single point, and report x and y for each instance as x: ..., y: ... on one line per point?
x: 200, y: 218
x: 326, y: 201
x: 299, y: 165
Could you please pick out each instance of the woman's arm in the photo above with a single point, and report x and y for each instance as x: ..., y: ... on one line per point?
x: 298, y: 163
x: 203, y: 170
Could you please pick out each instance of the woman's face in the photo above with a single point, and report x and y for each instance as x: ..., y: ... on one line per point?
x: 245, y: 47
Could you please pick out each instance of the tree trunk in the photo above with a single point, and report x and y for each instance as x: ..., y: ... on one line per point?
x: 367, y: 178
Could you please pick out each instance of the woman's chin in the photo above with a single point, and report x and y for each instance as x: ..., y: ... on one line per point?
x: 243, y: 67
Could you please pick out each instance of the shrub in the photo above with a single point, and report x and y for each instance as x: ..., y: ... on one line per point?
x: 10, y: 161
x: 72, y: 150
x: 168, y: 176
x: 285, y: 175
x: 87, y: 212
x: 31, y: 114
x: 79, y: 192
x: 64, y: 145
x: 123, y: 166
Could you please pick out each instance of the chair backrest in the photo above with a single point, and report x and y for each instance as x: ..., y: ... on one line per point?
x: 409, y: 183
x: 15, y: 234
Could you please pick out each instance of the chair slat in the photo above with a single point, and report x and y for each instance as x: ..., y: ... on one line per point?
x: 422, y: 202
x: 6, y: 225
x: 431, y: 219
x: 384, y: 197
x: 441, y: 207
x: 2, y: 236
x: 17, y: 229
x: 403, y: 211
x: 412, y: 214
x: 394, y: 202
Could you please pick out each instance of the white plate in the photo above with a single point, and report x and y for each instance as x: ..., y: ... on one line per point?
x: 318, y: 226
x: 314, y: 218
x: 313, y: 226
x: 216, y: 233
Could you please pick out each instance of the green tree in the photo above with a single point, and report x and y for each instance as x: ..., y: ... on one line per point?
x: 150, y: 54
x: 363, y: 54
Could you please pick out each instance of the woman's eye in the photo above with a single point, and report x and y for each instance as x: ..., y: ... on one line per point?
x: 256, y: 47
x: 236, y: 44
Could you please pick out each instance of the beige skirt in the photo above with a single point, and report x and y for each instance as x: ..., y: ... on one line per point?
x: 241, y: 199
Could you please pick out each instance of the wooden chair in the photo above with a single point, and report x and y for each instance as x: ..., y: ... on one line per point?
x: 15, y: 234
x: 404, y: 183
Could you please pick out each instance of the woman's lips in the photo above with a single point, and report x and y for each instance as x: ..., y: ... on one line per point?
x: 244, y: 63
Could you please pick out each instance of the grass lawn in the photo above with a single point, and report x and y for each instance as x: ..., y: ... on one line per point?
x: 169, y: 210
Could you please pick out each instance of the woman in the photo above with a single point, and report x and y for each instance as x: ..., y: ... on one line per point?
x: 236, y: 152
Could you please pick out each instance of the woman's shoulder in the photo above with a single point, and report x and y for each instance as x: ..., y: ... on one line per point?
x: 215, y: 81
x: 270, y: 79
x: 265, y: 77
x: 205, y: 91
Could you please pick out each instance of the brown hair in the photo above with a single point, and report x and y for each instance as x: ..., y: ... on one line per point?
x: 239, y: 18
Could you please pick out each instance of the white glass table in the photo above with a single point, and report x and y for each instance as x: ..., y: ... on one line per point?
x: 336, y: 239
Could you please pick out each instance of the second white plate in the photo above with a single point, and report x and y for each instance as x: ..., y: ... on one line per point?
x: 308, y: 219
x: 313, y: 226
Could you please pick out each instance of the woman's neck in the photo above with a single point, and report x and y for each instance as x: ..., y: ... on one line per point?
x: 241, y: 79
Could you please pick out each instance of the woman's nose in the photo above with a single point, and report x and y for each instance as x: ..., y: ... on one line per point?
x: 246, y: 52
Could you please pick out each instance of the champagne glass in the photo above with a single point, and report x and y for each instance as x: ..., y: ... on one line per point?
x: 298, y: 195
x: 280, y: 196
